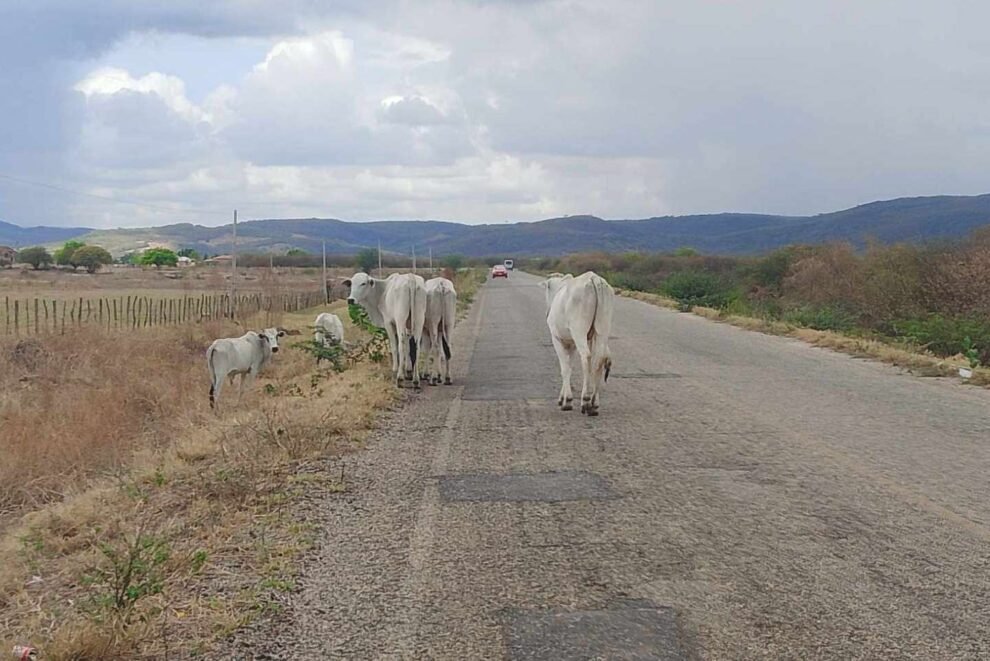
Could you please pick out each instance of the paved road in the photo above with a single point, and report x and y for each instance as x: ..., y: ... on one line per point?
x: 741, y: 496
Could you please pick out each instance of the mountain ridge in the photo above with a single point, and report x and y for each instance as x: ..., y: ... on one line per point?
x: 911, y: 219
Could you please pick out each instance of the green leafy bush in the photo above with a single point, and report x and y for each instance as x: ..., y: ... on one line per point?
x: 949, y: 336
x: 691, y: 288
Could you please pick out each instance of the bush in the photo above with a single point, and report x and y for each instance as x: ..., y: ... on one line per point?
x: 63, y: 256
x: 159, y: 257
x: 948, y: 336
x: 367, y: 260
x: 91, y: 258
x: 691, y: 288
x: 37, y: 257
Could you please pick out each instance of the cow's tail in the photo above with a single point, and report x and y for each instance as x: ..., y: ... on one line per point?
x: 447, y: 323
x: 601, y: 325
x: 412, y: 351
x: 213, y: 375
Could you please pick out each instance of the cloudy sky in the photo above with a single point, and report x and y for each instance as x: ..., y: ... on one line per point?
x: 484, y: 110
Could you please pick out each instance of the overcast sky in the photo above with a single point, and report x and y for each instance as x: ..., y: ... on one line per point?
x: 485, y: 111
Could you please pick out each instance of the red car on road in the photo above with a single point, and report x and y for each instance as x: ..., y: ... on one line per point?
x: 499, y: 271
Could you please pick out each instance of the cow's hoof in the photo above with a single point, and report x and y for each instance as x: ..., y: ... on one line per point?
x: 448, y: 382
x: 567, y: 406
x: 592, y: 412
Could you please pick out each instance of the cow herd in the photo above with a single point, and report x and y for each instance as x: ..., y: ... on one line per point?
x: 418, y: 317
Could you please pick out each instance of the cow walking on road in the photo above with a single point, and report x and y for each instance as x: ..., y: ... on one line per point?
x: 579, y: 314
x: 242, y: 356
x: 441, y: 309
x: 397, y: 304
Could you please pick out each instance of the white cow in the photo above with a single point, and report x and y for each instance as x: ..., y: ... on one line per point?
x: 329, y: 329
x: 244, y: 356
x: 441, y: 309
x: 579, y: 314
x: 397, y: 304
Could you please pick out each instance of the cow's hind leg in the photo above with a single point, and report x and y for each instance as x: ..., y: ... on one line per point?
x: 584, y: 351
x: 564, y: 353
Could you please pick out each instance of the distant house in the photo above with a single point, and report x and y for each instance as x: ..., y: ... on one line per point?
x: 7, y: 256
x: 219, y: 259
x: 185, y: 261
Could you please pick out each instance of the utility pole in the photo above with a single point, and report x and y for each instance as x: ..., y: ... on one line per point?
x: 380, y: 258
x: 326, y: 290
x: 233, y: 265
x: 431, y: 260
x: 414, y: 259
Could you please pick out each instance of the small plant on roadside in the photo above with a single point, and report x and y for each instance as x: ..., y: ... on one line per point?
x: 376, y: 347
x: 130, y: 570
x: 333, y: 352
x: 971, y: 353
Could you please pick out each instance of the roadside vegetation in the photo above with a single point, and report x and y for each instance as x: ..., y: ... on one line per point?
x: 137, y: 523
x: 889, y: 301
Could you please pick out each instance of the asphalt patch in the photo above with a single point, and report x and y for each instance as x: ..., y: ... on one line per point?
x: 627, y: 634
x: 550, y: 487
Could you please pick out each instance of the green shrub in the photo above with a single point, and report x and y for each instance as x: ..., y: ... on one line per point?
x: 691, y: 288
x: 830, y: 318
x: 948, y: 336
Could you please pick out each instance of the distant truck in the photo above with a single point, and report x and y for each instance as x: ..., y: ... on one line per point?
x: 508, y: 264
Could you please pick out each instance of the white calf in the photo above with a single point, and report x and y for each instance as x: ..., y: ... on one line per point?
x: 329, y: 329
x: 441, y: 310
x: 244, y: 356
x: 579, y: 314
x: 397, y: 304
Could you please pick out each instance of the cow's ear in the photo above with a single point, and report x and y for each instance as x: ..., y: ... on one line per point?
x: 346, y: 283
x: 371, y: 281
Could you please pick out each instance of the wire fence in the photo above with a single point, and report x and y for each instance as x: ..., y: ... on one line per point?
x: 38, y: 315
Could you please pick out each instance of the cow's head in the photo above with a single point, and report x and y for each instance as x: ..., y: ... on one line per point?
x: 362, y: 288
x: 269, y: 337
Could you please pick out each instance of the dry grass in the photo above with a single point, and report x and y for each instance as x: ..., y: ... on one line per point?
x: 138, y: 521
x: 907, y: 357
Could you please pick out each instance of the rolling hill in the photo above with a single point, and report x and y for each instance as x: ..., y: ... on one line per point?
x: 905, y: 219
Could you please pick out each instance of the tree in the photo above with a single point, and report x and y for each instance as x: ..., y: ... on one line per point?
x: 37, y: 257
x: 453, y: 262
x: 367, y: 260
x: 159, y: 257
x: 190, y: 253
x: 91, y: 257
x: 292, y: 252
x: 64, y: 255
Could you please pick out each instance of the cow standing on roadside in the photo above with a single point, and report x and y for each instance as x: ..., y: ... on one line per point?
x: 397, y: 304
x: 441, y: 310
x: 242, y: 356
x: 579, y: 315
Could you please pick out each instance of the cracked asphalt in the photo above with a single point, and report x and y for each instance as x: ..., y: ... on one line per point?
x: 741, y: 496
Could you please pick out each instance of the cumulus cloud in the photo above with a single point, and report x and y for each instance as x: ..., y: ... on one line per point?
x: 411, y: 110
